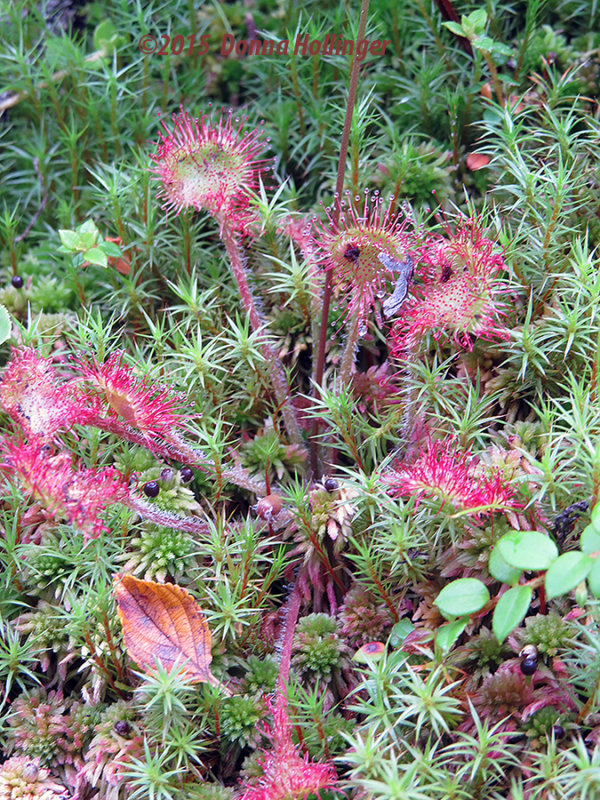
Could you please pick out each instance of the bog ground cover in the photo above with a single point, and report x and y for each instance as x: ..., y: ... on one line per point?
x: 299, y: 417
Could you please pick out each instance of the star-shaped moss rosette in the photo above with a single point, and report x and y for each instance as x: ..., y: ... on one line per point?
x: 209, y: 166
x: 351, y: 247
x: 459, y: 294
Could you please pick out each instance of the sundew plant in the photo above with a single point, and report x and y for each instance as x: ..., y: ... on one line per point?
x: 299, y: 403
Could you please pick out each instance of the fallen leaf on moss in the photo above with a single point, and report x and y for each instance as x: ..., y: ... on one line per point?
x: 162, y: 621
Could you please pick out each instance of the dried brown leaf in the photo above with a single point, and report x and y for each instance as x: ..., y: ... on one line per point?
x: 162, y: 621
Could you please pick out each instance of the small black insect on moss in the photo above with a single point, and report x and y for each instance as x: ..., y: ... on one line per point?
x: 565, y: 521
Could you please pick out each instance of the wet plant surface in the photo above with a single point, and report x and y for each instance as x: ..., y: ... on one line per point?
x: 299, y: 447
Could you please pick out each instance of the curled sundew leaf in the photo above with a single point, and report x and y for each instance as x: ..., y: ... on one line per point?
x: 162, y: 621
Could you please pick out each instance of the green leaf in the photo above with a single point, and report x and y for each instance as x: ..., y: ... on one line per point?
x: 454, y: 27
x: 527, y: 550
x: 594, y: 578
x: 399, y: 632
x: 89, y: 226
x: 104, y: 34
x: 567, y: 571
x: 87, y: 241
x: 462, y: 597
x: 596, y: 517
x: 70, y: 239
x: 5, y: 324
x: 96, y: 256
x: 510, y: 610
x: 111, y: 249
x: 448, y: 634
x: 483, y: 43
x: 502, y: 571
x: 477, y: 19
x: 499, y: 49
x: 590, y: 538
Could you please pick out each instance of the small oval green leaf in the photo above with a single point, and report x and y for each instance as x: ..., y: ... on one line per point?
x: 400, y: 631
x: 510, y: 611
x: 454, y: 28
x: 502, y: 571
x: 111, y: 249
x: 448, y: 634
x: 96, y: 256
x: 5, y: 323
x: 69, y: 239
x: 529, y: 550
x: 594, y: 578
x: 462, y: 597
x: 590, y: 538
x: 567, y: 571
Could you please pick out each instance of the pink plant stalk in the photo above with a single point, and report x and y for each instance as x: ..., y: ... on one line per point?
x: 441, y: 471
x: 215, y: 167
x: 459, y: 294
x: 77, y: 495
x: 287, y: 775
x: 277, y: 374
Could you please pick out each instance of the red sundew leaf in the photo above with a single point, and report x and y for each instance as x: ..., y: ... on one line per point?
x: 163, y: 621
x: 477, y: 161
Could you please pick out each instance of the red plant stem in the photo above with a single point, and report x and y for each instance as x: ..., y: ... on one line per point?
x: 160, y: 517
x: 111, y: 646
x: 542, y: 596
x: 100, y: 664
x: 339, y: 186
x: 291, y: 617
x: 277, y: 374
x: 350, y: 349
x: 179, y: 450
x: 325, y: 560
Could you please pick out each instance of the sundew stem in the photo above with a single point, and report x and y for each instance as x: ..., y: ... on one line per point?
x: 291, y: 618
x: 276, y: 371
x: 179, y: 450
x: 350, y: 348
x: 339, y: 186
